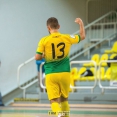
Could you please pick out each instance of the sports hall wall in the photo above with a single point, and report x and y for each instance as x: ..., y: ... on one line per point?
x: 97, y: 8
x: 22, y: 24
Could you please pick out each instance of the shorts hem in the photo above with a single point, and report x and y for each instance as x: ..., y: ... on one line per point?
x: 53, y: 98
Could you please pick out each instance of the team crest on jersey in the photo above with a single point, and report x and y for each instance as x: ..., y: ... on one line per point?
x: 72, y: 36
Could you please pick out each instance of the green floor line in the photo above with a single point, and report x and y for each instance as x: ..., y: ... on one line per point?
x: 72, y: 112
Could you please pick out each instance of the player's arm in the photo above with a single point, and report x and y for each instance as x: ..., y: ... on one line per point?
x: 40, y: 50
x: 82, y: 30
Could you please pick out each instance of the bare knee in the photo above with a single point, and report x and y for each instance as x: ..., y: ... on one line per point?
x: 57, y: 100
x: 63, y: 99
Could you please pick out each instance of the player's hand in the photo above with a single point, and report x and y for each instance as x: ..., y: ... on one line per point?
x: 78, y: 21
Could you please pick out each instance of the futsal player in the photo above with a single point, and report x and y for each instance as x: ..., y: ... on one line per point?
x: 56, y: 48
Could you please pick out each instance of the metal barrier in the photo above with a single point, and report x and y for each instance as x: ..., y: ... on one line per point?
x: 41, y: 84
x: 97, y: 31
x: 18, y: 77
x: 92, y: 46
x: 75, y: 48
x: 76, y: 87
x: 95, y: 81
x: 100, y: 85
x: 73, y: 87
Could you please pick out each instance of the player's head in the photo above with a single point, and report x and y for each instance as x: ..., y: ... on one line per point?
x: 52, y: 24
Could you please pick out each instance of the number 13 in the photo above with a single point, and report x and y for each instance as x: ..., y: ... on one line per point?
x: 61, y: 50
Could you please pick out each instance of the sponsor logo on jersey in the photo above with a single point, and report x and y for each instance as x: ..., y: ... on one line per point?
x: 72, y: 36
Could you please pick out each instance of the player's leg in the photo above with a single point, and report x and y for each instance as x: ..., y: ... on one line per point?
x: 55, y: 105
x: 65, y: 85
x: 53, y: 91
x: 65, y: 106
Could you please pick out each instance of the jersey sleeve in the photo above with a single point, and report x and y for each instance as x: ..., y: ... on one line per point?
x: 74, y: 39
x: 40, y: 48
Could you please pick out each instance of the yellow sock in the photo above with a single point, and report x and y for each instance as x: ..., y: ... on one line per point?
x: 55, y: 107
x: 65, y: 107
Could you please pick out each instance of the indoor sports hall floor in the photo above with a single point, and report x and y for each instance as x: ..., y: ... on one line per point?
x: 41, y: 110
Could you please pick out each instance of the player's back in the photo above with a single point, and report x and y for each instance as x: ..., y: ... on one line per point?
x: 56, y: 48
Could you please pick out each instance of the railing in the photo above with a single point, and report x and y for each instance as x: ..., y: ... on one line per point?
x: 111, y: 36
x: 75, y: 87
x: 95, y: 79
x: 100, y: 85
x: 96, y: 31
x: 75, y: 48
x: 18, y: 77
x: 95, y: 76
x: 41, y: 84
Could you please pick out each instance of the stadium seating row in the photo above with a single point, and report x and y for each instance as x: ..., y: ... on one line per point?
x: 113, y: 49
x: 105, y: 74
x: 97, y: 59
x: 77, y: 75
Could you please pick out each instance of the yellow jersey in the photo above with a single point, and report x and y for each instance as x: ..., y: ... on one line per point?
x: 56, y: 48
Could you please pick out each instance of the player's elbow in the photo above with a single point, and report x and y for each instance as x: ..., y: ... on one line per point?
x: 82, y: 36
